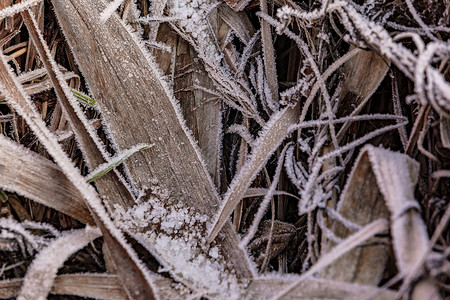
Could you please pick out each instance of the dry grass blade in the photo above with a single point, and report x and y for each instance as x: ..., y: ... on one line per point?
x: 276, y: 131
x: 91, y: 146
x: 445, y: 131
x: 396, y: 176
x: 360, y: 204
x: 269, y: 53
x: 268, y: 287
x: 37, y: 178
x: 92, y: 285
x: 346, y: 245
x: 42, y: 272
x: 129, y: 91
x: 104, y: 286
x: 130, y: 269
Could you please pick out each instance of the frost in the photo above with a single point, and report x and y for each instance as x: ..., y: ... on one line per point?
x: 40, y: 275
x: 176, y: 237
x: 23, y: 234
x: 193, y: 16
x: 17, y: 8
x: 109, y: 10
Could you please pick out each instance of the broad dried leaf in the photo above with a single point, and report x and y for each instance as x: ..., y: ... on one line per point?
x: 358, y: 87
x: 110, y: 56
x: 104, y: 286
x: 238, y: 21
x: 360, y: 204
x: 396, y: 175
x: 354, y: 240
x: 40, y: 180
x: 202, y: 113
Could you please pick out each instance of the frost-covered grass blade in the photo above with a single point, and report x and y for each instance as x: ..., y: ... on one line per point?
x: 114, y: 162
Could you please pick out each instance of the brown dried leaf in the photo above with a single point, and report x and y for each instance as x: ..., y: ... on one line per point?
x: 361, y: 204
x: 238, y: 21
x: 358, y: 86
x: 40, y: 180
x: 130, y: 93
x: 105, y: 286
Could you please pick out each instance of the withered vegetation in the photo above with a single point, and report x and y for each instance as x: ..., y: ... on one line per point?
x: 236, y: 149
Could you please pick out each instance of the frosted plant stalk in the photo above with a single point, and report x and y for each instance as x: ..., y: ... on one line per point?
x: 17, y: 8
x: 40, y: 275
x: 263, y: 206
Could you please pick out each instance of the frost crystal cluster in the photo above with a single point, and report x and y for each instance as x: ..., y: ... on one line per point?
x: 193, y: 20
x: 178, y: 235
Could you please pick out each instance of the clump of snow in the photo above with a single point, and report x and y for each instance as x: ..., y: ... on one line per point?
x: 193, y: 19
x: 177, y: 235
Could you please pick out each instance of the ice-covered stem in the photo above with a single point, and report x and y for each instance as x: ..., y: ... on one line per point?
x: 109, y: 10
x: 303, y: 47
x: 416, y: 67
x: 285, y: 13
x: 22, y: 104
x: 271, y: 136
x: 419, y: 20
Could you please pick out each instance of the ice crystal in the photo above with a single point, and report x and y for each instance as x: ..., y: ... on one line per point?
x: 176, y: 235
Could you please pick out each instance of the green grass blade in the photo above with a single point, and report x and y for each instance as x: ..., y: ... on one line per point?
x: 83, y: 98
x: 115, y: 161
x: 3, y: 196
